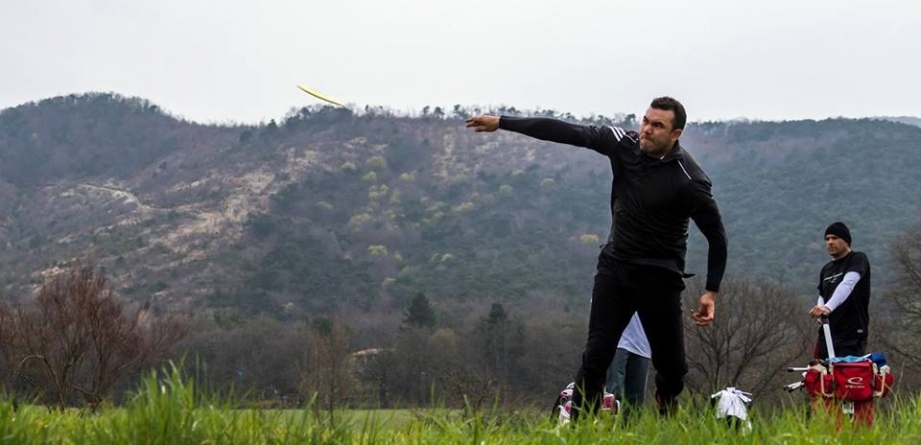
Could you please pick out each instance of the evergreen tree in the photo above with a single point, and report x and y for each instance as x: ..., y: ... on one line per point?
x: 420, y: 313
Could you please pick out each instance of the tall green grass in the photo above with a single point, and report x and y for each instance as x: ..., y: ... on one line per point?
x: 168, y: 409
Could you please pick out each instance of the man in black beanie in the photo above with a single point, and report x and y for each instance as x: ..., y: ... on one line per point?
x: 844, y: 295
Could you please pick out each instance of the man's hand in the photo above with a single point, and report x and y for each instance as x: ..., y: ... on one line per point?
x: 703, y: 316
x: 482, y: 123
x: 818, y: 311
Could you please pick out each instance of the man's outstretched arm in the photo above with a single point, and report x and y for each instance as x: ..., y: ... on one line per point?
x: 600, y: 139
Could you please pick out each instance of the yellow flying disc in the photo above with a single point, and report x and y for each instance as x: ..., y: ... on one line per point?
x: 320, y: 96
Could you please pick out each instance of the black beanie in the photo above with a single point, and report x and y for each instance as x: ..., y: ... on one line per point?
x: 840, y: 230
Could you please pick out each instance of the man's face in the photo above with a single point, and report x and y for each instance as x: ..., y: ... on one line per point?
x: 656, y: 133
x: 835, y: 246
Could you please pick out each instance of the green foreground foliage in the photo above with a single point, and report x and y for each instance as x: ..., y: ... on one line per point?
x: 170, y: 410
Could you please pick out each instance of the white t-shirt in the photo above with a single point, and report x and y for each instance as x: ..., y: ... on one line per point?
x: 634, y: 338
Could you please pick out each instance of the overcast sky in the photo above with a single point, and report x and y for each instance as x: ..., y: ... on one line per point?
x: 239, y: 61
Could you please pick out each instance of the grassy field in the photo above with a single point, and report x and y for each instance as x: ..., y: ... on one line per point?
x: 165, y: 411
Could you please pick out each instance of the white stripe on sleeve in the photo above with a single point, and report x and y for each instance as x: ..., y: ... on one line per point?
x: 618, y: 132
x: 684, y: 169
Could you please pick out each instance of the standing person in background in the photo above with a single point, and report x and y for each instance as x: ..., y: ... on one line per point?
x: 844, y: 295
x: 629, y: 371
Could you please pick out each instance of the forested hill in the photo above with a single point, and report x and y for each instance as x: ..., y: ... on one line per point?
x: 911, y: 120
x: 330, y: 207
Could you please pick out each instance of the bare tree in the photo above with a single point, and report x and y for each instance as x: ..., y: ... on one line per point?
x: 375, y: 372
x: 77, y: 340
x: 444, y: 369
x: 7, y: 342
x: 760, y: 329
x: 326, y: 367
x: 904, y: 328
x: 413, y: 370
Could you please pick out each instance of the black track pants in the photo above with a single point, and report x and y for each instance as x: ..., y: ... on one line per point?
x: 620, y: 290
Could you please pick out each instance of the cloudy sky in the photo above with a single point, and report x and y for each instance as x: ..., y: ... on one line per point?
x: 239, y: 61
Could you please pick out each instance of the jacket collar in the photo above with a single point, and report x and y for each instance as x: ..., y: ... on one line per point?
x: 676, y: 153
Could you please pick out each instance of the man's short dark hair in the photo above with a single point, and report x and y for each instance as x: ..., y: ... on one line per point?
x: 670, y: 104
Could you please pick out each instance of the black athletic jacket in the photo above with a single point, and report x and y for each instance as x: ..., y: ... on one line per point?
x: 652, y: 199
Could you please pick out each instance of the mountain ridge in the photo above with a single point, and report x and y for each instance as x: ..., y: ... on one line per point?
x: 329, y: 207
